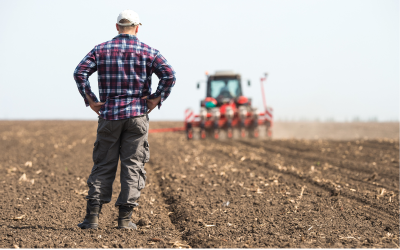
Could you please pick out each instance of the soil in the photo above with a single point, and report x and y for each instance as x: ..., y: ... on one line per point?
x: 247, y: 193
x: 336, y: 130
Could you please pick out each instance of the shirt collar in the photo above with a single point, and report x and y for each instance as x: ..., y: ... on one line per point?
x: 126, y: 36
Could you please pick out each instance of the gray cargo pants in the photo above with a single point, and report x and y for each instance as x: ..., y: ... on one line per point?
x: 125, y: 139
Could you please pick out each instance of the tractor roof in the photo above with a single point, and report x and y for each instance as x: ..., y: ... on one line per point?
x: 225, y: 73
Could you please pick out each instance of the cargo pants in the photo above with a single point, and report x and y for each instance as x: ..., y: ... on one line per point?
x: 125, y: 140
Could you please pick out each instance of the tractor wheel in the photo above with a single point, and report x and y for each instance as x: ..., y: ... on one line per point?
x: 255, y: 133
x: 216, y: 134
x: 203, y: 134
x: 269, y: 132
x: 189, y: 134
x: 243, y: 133
x: 229, y: 133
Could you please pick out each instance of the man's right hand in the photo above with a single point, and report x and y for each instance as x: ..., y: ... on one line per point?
x: 96, y: 106
x: 152, y: 103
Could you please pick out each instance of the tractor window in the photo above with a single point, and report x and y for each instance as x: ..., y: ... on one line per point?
x: 233, y: 86
x: 225, y: 88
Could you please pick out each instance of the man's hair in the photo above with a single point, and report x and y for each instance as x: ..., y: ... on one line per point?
x: 125, y: 28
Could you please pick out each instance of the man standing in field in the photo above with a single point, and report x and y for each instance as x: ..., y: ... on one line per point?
x: 124, y: 67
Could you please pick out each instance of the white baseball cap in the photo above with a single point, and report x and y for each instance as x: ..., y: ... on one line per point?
x: 129, y: 15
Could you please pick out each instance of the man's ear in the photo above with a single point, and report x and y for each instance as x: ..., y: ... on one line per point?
x: 137, y: 29
x: 117, y: 26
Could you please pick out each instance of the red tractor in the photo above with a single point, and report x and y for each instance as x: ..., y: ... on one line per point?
x: 226, y: 112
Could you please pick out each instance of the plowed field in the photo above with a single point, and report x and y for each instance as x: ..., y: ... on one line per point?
x: 231, y: 194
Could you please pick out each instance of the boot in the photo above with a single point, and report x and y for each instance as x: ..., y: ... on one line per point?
x: 91, y: 220
x: 124, y: 218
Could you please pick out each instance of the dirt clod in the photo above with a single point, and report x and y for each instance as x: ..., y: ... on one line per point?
x: 143, y: 222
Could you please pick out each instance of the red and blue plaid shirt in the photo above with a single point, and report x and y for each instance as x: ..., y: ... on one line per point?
x: 124, y: 66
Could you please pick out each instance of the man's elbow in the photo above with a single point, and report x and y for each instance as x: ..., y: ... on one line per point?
x: 79, y: 76
x: 169, y: 78
x: 172, y: 80
x: 76, y: 75
x: 173, y: 75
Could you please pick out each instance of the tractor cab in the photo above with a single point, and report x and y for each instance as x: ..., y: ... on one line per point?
x: 222, y: 88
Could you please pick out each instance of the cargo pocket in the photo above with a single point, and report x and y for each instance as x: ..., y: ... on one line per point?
x: 142, y: 179
x: 98, y: 154
x: 146, y: 151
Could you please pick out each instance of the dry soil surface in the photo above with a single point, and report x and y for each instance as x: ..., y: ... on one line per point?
x: 230, y: 193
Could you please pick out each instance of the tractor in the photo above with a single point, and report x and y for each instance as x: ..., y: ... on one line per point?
x: 226, y: 111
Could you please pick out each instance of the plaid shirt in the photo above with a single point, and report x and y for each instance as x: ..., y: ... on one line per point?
x: 124, y: 67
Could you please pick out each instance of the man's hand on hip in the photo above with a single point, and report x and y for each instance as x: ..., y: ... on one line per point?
x: 152, y: 103
x: 95, y: 106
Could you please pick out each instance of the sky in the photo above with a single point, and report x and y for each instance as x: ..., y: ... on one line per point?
x: 325, y: 59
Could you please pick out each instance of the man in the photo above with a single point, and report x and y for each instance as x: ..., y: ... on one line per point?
x: 124, y: 66
x: 225, y: 92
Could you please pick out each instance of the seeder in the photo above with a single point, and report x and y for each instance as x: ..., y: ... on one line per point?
x: 225, y: 110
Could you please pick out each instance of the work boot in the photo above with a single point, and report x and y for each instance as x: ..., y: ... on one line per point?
x: 124, y: 218
x: 91, y: 220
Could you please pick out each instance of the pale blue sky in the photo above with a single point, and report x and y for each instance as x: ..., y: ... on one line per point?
x: 325, y: 58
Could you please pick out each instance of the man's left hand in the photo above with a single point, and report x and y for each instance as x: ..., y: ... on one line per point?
x: 152, y: 103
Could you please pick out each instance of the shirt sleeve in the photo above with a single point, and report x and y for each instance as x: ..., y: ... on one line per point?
x: 81, y: 75
x: 166, y: 74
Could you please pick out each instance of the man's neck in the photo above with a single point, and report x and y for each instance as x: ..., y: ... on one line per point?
x: 128, y: 33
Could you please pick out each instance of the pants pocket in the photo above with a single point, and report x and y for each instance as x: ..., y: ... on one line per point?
x: 142, y: 179
x: 98, y: 154
x: 104, y: 127
x: 146, y: 151
x: 139, y: 125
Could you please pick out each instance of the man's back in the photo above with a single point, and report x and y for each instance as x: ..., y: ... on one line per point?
x: 124, y: 66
